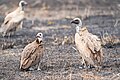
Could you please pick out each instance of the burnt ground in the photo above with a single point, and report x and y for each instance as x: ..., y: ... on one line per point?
x: 60, y: 61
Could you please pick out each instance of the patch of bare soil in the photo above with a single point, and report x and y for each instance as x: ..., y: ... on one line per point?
x: 60, y: 60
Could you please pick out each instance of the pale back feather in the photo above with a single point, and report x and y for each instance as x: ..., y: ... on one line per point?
x: 87, y: 44
x: 81, y: 45
x: 12, y: 21
x: 94, y: 43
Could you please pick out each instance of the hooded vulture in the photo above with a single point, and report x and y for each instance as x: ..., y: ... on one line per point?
x: 32, y: 53
x: 88, y: 45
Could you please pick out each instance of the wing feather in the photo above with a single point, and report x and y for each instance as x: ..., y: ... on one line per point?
x: 28, y: 56
x: 12, y: 21
x: 93, y: 43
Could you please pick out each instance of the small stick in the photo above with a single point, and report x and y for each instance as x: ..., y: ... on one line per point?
x: 74, y: 48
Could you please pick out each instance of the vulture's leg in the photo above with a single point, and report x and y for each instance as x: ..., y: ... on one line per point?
x: 90, y: 62
x: 100, y: 57
x: 12, y: 33
x: 115, y: 48
x: 31, y: 69
x: 87, y: 65
x: 4, y: 34
x: 84, y: 63
x: 38, y: 67
x: 99, y: 60
x: 99, y: 66
x: 9, y: 34
x: 21, y: 25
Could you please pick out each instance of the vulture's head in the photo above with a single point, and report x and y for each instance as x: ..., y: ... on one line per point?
x: 22, y: 4
x: 39, y: 37
x: 77, y: 22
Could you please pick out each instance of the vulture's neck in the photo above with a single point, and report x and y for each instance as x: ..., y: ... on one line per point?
x: 38, y: 42
x: 21, y: 8
x: 77, y: 29
x: 84, y: 30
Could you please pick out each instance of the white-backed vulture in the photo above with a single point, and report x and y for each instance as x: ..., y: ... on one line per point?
x: 14, y: 20
x: 88, y: 45
x: 32, y: 53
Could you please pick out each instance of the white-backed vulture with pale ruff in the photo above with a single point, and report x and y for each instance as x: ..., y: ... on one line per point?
x: 14, y: 20
x: 88, y: 45
x: 32, y: 53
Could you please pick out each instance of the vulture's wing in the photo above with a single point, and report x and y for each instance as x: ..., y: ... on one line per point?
x: 28, y: 56
x: 13, y: 17
x: 7, y: 19
x: 80, y: 41
x: 4, y: 27
x: 83, y: 49
x: 93, y: 43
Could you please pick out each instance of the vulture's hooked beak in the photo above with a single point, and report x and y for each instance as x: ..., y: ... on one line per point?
x: 74, y: 22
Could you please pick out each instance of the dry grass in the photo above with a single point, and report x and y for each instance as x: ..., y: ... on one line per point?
x: 110, y: 40
x: 60, y: 60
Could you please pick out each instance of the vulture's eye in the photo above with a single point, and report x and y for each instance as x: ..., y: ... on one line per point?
x: 40, y: 34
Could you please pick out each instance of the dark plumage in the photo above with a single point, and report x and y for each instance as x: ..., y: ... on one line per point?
x: 32, y: 53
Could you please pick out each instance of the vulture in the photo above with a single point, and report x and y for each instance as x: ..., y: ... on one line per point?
x: 32, y: 53
x: 88, y: 45
x: 14, y: 20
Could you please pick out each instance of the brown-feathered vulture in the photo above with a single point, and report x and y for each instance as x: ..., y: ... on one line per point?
x: 14, y: 20
x: 32, y: 53
x: 88, y: 45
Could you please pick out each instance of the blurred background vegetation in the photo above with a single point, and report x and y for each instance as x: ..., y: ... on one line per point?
x: 92, y: 5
